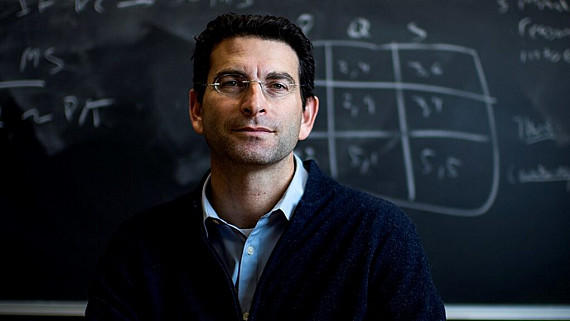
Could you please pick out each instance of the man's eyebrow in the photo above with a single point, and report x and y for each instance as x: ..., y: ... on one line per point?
x: 271, y: 75
x: 280, y: 75
x: 229, y: 72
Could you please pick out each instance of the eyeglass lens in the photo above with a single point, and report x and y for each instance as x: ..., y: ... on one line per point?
x: 237, y: 84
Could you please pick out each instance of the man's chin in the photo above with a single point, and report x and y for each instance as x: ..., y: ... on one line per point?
x: 258, y: 157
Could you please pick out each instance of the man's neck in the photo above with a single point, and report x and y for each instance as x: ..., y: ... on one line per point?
x: 242, y: 194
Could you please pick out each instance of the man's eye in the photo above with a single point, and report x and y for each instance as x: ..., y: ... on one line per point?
x: 276, y: 85
x: 231, y: 81
x: 228, y: 83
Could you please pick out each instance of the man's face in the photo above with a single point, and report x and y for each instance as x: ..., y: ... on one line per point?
x: 252, y: 127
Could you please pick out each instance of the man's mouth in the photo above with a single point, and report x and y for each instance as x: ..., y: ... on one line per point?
x: 253, y: 129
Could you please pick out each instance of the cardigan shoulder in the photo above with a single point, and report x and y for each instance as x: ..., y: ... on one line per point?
x: 346, y: 202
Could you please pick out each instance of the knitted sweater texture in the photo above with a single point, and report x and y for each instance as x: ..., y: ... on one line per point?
x: 346, y: 255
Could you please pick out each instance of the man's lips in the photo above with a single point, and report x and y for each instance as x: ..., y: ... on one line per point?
x: 253, y: 129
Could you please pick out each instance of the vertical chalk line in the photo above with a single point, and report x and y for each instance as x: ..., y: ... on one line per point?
x: 404, y: 134
x: 493, y: 135
x: 330, y: 112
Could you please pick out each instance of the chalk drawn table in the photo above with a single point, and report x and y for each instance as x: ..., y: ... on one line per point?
x: 412, y: 123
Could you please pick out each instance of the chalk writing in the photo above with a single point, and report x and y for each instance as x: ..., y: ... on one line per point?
x: 531, y: 132
x: 23, y: 83
x: 554, y: 5
x: 545, y: 54
x: 134, y: 3
x: 420, y: 33
x: 434, y: 105
x: 540, y: 174
x: 30, y: 54
x: 417, y: 84
x: 541, y: 5
x: 34, y: 114
x: 359, y: 28
x: 353, y: 70
x: 424, y: 72
x: 503, y: 6
x: 42, y: 5
x: 81, y: 5
x: 34, y: 55
x: 71, y: 104
x: 448, y: 167
x: 102, y: 6
x: 306, y: 21
x: 242, y: 4
x: 368, y: 104
x: 540, y: 31
x: 361, y: 160
x: 24, y: 8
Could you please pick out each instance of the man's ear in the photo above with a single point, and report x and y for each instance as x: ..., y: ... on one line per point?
x: 195, y: 109
x: 309, y: 116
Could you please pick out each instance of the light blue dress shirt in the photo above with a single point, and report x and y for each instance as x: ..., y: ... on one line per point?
x: 245, y: 252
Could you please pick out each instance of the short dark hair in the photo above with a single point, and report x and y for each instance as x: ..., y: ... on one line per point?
x: 233, y: 25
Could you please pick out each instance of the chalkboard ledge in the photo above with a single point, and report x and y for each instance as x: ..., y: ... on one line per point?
x: 454, y: 311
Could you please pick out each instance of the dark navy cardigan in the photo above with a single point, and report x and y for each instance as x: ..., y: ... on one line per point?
x: 346, y: 255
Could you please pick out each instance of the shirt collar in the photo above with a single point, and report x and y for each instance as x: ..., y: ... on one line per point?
x: 286, y: 204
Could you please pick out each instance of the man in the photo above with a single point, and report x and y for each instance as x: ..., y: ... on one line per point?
x: 265, y: 236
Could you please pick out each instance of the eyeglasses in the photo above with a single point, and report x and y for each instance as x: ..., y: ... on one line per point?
x: 235, y: 84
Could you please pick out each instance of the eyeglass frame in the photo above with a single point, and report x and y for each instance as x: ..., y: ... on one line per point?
x: 247, y: 82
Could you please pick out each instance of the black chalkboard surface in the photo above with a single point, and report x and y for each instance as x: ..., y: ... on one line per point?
x: 455, y: 110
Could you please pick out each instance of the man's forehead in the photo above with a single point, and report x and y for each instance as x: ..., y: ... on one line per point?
x: 254, y: 55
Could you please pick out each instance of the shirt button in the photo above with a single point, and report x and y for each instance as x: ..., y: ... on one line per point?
x: 245, y: 316
x: 250, y: 250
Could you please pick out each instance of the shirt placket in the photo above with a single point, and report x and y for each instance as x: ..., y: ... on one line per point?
x: 248, y: 268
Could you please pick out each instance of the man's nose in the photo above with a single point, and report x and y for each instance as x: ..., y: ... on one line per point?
x: 254, y: 101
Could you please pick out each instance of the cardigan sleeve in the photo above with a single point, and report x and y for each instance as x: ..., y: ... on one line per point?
x: 401, y: 283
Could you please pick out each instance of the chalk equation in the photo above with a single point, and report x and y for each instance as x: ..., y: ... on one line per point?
x: 412, y: 123
x: 36, y: 61
x: 103, y: 6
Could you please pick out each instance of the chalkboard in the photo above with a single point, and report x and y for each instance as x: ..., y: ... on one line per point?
x: 455, y: 110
